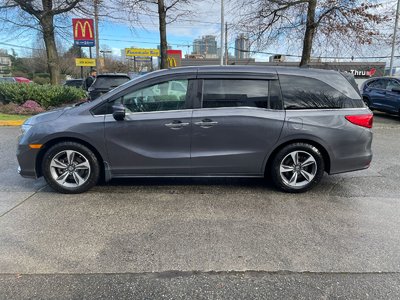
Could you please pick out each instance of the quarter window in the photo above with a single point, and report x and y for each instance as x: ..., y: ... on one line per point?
x: 308, y: 93
x: 235, y: 93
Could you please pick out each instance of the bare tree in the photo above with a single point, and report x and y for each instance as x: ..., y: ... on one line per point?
x: 39, y: 15
x: 268, y: 20
x: 167, y: 11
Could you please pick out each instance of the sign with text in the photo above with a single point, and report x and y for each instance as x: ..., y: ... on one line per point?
x: 83, y: 32
x: 85, y: 62
x: 141, y: 52
x: 143, y: 59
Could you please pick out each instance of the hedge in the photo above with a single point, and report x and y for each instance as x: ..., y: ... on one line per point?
x: 45, y: 95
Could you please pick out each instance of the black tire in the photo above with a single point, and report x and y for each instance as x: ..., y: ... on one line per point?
x: 82, y: 154
x: 304, y: 152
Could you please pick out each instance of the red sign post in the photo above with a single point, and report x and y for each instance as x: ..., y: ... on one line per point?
x: 83, y: 32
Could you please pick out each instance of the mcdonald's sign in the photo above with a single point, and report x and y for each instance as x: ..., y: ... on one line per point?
x: 174, y: 58
x: 171, y: 62
x: 83, y: 32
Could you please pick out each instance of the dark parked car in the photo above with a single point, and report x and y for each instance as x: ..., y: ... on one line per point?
x: 288, y: 123
x: 77, y: 83
x: 105, y: 83
x: 383, y: 94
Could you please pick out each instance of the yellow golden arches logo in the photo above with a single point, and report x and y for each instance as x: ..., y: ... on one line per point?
x: 83, y: 27
x: 171, y: 62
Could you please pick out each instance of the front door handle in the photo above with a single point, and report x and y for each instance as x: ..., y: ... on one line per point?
x: 176, y: 125
x: 206, y: 123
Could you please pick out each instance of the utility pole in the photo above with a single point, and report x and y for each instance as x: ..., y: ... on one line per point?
x: 96, y: 29
x: 222, y: 33
x: 104, y: 55
x: 396, y: 23
x: 226, y: 43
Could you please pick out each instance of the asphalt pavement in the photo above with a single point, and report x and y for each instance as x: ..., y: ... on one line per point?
x: 204, y: 238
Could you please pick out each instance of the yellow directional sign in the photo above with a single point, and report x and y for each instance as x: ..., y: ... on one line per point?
x: 141, y: 52
x: 85, y: 62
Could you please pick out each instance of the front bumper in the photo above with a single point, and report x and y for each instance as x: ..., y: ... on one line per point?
x: 27, y: 161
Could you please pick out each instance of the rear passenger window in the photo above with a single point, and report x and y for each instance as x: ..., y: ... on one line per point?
x: 235, y: 93
x: 308, y: 93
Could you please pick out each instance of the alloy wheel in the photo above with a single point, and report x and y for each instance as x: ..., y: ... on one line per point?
x: 70, y: 168
x: 297, y: 169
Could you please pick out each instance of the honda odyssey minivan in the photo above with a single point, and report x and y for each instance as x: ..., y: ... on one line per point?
x: 290, y: 125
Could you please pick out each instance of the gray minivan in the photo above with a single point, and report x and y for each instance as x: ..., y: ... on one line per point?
x: 291, y: 124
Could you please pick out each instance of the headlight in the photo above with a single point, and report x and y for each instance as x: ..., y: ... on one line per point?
x: 25, y: 128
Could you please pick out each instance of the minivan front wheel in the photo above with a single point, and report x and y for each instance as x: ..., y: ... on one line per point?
x: 297, y: 167
x: 70, y: 168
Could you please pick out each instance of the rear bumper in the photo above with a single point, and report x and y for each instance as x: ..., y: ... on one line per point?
x: 351, y: 164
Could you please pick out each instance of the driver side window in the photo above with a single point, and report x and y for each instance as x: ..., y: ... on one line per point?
x: 168, y: 95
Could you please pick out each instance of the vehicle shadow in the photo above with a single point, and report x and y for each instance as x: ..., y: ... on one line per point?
x: 188, y: 181
x: 386, y: 116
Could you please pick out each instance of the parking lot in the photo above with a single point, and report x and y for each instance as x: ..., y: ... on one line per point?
x: 204, y: 238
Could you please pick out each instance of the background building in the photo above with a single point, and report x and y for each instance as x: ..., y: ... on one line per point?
x: 242, y: 47
x: 206, y: 46
x: 5, y: 64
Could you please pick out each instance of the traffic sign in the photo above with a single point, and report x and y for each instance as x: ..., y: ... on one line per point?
x: 85, y: 62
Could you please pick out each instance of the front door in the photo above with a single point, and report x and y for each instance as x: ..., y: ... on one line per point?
x: 154, y: 138
x: 237, y: 125
x: 393, y: 96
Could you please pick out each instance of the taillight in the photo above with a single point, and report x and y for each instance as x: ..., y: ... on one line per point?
x: 361, y: 120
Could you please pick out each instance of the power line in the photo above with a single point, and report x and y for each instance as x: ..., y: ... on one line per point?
x: 324, y: 57
x: 17, y: 46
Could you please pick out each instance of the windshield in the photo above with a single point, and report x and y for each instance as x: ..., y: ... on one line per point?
x: 109, y: 82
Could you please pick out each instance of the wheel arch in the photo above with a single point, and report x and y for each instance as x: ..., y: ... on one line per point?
x: 57, y: 140
x: 319, y: 146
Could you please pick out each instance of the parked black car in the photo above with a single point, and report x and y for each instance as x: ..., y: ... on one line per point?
x: 383, y: 94
x: 78, y: 83
x: 105, y: 83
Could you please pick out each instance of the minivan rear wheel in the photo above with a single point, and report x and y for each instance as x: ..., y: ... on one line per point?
x: 297, y: 168
x: 70, y: 168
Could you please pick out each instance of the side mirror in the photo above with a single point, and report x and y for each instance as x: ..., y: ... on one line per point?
x: 119, y: 112
x: 396, y: 90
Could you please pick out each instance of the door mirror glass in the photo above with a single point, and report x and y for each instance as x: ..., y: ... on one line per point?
x: 119, y: 112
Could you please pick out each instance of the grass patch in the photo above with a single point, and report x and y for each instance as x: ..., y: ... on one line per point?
x: 6, y: 117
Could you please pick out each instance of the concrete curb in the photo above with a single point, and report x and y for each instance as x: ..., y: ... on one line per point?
x: 12, y: 123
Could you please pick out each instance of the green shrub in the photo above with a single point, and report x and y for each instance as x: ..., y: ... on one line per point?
x: 45, y: 95
x: 41, y: 80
